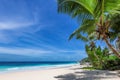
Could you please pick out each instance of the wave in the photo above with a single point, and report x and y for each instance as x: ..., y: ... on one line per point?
x: 15, y: 68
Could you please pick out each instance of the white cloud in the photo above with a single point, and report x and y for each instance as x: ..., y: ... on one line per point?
x: 13, y: 25
x: 37, y: 52
x: 23, y: 51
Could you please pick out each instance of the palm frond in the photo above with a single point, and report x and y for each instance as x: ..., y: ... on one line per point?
x: 88, y: 26
x: 81, y: 37
x: 82, y: 9
x: 111, y: 6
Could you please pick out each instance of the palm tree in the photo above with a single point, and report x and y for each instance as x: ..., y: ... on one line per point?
x: 95, y: 16
x: 95, y: 55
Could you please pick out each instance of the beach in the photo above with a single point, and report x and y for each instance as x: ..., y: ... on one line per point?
x: 73, y: 72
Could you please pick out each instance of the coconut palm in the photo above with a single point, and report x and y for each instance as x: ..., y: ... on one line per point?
x: 94, y: 16
x: 95, y: 55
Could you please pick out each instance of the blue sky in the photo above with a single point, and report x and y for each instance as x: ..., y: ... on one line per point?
x: 34, y: 29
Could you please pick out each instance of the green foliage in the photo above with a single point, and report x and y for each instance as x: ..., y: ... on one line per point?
x: 101, y: 59
x: 84, y: 61
x: 115, y: 28
x: 96, y: 17
x: 77, y: 8
x: 89, y: 11
x: 111, y: 58
x: 112, y: 63
x: 100, y: 20
x: 92, y: 56
x: 88, y: 68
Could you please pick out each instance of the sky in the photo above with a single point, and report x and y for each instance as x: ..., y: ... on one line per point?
x: 33, y: 30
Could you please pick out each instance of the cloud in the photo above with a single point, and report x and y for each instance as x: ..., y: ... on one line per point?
x: 34, y: 30
x: 44, y: 54
x: 13, y: 15
x: 14, y: 25
x: 23, y: 51
x: 37, y: 51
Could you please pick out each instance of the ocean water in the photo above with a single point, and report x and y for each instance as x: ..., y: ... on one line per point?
x: 12, y: 66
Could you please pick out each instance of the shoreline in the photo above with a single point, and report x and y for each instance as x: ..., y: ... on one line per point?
x: 73, y: 72
x: 29, y: 68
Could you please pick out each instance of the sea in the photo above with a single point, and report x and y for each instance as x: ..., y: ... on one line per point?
x: 14, y: 66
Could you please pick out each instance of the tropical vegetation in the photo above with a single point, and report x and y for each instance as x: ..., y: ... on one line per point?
x: 99, y: 21
x: 101, y: 58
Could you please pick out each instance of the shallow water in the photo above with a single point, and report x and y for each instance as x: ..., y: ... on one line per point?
x: 12, y: 66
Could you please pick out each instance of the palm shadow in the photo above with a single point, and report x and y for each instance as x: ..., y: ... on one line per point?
x: 87, y: 75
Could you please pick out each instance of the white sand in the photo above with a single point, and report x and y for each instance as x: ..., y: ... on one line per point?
x: 64, y: 73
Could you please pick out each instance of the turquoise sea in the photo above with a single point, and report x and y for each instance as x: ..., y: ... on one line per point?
x: 12, y: 66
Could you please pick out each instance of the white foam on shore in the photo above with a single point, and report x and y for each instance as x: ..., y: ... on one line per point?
x: 25, y: 68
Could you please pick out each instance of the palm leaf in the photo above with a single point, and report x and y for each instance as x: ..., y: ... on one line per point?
x: 82, y: 9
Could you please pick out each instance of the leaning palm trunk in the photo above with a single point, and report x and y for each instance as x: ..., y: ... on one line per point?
x: 91, y: 59
x: 110, y: 46
x: 89, y: 56
x: 103, y: 31
x: 99, y: 61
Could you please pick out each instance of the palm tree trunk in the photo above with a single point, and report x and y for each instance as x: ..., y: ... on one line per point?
x: 111, y: 47
x: 101, y: 63
x: 91, y: 61
x: 97, y: 59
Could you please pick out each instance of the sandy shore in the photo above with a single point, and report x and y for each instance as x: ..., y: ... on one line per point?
x: 63, y: 73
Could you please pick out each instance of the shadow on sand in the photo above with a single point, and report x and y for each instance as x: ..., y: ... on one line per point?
x: 87, y: 75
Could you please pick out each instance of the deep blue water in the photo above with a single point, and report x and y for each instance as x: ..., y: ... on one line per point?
x: 10, y: 66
